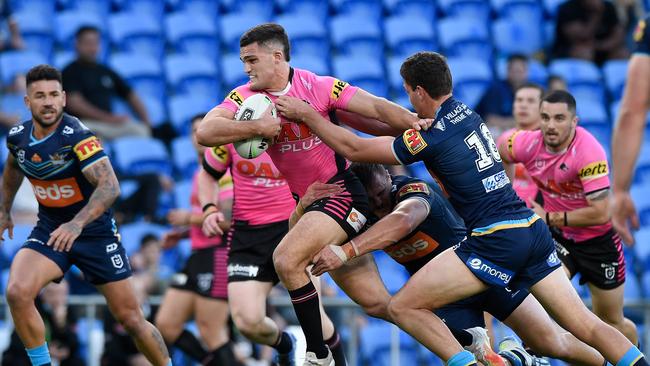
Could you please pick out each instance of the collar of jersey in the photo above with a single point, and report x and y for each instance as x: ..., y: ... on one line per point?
x: 286, y: 89
x: 35, y: 141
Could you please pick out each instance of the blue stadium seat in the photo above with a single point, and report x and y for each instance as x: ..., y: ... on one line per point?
x: 528, y: 12
x: 314, y: 64
x: 142, y: 72
x: 232, y: 72
x: 307, y: 34
x: 393, y: 65
x: 36, y: 31
x: 355, y: 35
x: 193, y: 33
x: 10, y: 247
x: 642, y: 173
x: 317, y: 8
x: 61, y: 59
x: 551, y: 7
x: 137, y: 33
x: 139, y: 155
x: 100, y: 7
x: 471, y: 79
x: 615, y: 72
x: 364, y: 71
x: 632, y: 291
x: 233, y: 25
x: 156, y: 110
x: 407, y: 34
x: 475, y: 9
x: 185, y: 106
x: 14, y: 63
x: 205, y: 7
x: 262, y: 8
x: 154, y: 8
x: 582, y: 77
x: 591, y: 112
x: 512, y: 36
x: 44, y: 7
x: 641, y: 196
x: 4, y: 277
x: 376, y: 342
x: 14, y: 104
x: 462, y: 36
x: 182, y: 193
x: 192, y: 74
x: 370, y: 9
x: 68, y: 22
x: 133, y: 233
x: 642, y: 237
x: 426, y: 8
x: 185, y: 156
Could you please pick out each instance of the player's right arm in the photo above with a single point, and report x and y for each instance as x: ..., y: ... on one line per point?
x: 12, y: 177
x: 216, y: 214
x: 219, y: 127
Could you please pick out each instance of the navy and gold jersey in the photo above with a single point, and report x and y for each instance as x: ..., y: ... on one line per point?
x: 459, y: 152
x: 642, y: 36
x: 441, y: 229
x: 54, y: 167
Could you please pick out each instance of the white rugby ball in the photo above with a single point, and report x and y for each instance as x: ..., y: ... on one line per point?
x: 253, y: 107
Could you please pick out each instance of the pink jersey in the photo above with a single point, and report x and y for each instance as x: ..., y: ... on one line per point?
x: 523, y: 184
x: 198, y: 239
x: 261, y: 192
x: 564, y: 178
x: 296, y: 151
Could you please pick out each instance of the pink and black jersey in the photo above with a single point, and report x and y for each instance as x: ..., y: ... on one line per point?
x: 522, y: 183
x: 299, y: 154
x: 261, y: 194
x: 564, y: 178
x: 197, y: 238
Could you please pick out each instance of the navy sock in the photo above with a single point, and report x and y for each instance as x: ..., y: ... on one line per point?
x: 191, y: 346
x: 335, y: 345
x: 462, y: 336
x: 283, y: 344
x: 306, y: 305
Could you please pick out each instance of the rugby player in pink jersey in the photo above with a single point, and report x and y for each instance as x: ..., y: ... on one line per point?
x: 303, y: 159
x: 570, y: 168
x: 261, y: 210
x: 525, y: 110
x: 200, y: 290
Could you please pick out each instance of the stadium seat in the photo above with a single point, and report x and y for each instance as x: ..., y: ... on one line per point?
x: 393, y: 65
x: 353, y: 35
x: 641, y: 196
x: 375, y: 345
x: 183, y: 107
x: 204, y: 7
x: 182, y: 193
x: 643, y: 164
x: 156, y: 110
x: 591, y: 112
x: 426, y: 8
x: 14, y: 63
x: 262, y: 8
x: 14, y: 104
x: 462, y: 36
x: 61, y: 59
x: 582, y: 77
x: 142, y: 72
x: 68, y: 22
x: 314, y: 64
x: 317, y: 8
x: 10, y: 246
x: 137, y: 33
x: 132, y: 234
x: 153, y: 8
x: 551, y: 7
x: 370, y: 9
x: 632, y: 291
x: 471, y: 79
x: 185, y: 156
x: 642, y: 237
x: 233, y: 25
x: 193, y: 34
x: 232, y: 72
x: 99, y: 7
x: 307, y: 34
x: 475, y: 9
x: 192, y: 74
x: 516, y: 37
x: 615, y: 72
x: 407, y: 34
x: 36, y: 31
x: 528, y: 12
x: 139, y: 155
x: 365, y: 72
x: 44, y: 7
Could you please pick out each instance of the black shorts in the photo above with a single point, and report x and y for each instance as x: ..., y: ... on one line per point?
x: 350, y: 208
x: 251, y: 251
x: 204, y: 273
x: 599, y: 260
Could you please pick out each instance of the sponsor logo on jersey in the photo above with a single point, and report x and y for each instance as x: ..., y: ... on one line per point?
x: 220, y: 153
x: 489, y: 272
x: 86, y: 148
x: 36, y: 158
x: 57, y: 193
x: 413, y: 188
x: 638, y: 32
x: 495, y: 181
x: 111, y: 247
x: 415, y: 247
x: 338, y: 88
x: 553, y: 259
x: 236, y: 97
x: 243, y: 270
x: 16, y: 129
x: 594, y: 170
x: 58, y: 159
x: 356, y: 219
x: 414, y: 141
x: 67, y: 130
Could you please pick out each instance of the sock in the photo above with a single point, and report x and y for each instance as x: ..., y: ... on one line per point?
x: 462, y: 336
x: 191, y: 346
x: 462, y: 358
x: 223, y: 355
x: 632, y: 357
x: 306, y: 305
x: 39, y: 356
x: 283, y: 344
x: 335, y: 345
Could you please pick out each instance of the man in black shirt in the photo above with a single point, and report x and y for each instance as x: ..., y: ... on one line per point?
x: 91, y: 86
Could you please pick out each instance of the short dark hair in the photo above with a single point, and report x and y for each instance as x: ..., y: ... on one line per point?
x: 530, y: 85
x: 148, y: 239
x: 264, y: 33
x: 42, y: 72
x: 517, y: 57
x: 366, y: 172
x: 85, y: 29
x: 561, y: 96
x: 428, y: 70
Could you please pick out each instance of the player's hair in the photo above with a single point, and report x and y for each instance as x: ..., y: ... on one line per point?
x: 266, y: 34
x: 85, y: 29
x: 517, y: 57
x: 148, y: 239
x: 529, y: 85
x: 428, y: 70
x: 42, y: 72
x: 367, y: 172
x: 198, y: 116
x: 561, y: 96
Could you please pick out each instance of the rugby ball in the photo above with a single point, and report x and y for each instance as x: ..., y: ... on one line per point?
x: 253, y: 107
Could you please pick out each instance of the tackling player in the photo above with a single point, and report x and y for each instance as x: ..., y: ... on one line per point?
x: 75, y: 186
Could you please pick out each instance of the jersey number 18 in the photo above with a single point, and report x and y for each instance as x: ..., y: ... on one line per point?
x: 486, y: 156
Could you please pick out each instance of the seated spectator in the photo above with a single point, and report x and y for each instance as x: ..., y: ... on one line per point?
x: 589, y: 30
x: 145, y: 265
x: 15, y: 40
x: 556, y: 82
x: 496, y: 105
x: 91, y: 86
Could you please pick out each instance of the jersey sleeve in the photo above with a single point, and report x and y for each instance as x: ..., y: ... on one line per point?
x: 642, y: 37
x: 518, y: 146
x: 415, y: 189
x: 216, y: 161
x: 333, y: 93
x: 412, y: 146
x: 233, y: 100
x: 87, y: 147
x: 593, y: 167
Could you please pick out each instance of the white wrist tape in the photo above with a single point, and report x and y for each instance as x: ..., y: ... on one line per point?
x: 339, y: 253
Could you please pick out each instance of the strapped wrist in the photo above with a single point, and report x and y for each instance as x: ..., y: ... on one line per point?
x: 209, y: 211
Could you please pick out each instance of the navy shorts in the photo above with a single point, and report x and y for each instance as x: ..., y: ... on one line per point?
x: 514, y: 253
x: 468, y: 313
x: 102, y: 259
x: 204, y: 273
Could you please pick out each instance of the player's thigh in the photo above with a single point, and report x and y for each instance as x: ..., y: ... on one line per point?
x: 533, y: 324
x: 311, y: 233
x: 247, y: 300
x: 176, y: 308
x: 211, y: 314
x: 607, y: 303
x: 22, y: 271
x: 361, y: 281
x: 445, y: 279
x: 121, y: 300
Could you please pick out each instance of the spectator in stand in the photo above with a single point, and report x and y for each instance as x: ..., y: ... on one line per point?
x: 91, y: 86
x: 14, y: 41
x: 556, y: 82
x: 589, y: 30
x: 145, y: 264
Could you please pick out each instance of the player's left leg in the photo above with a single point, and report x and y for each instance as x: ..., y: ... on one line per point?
x: 607, y: 304
x: 211, y: 317
x: 121, y: 300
